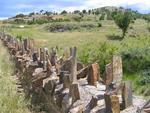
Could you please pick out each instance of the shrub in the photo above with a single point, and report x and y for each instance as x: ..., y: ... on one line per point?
x: 19, y: 37
x: 101, y: 54
x: 135, y: 54
x: 62, y: 27
x: 144, y: 77
x: 99, y: 25
x: 148, y: 27
x: 102, y: 17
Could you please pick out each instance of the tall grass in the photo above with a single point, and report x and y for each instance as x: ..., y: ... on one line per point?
x: 10, y: 100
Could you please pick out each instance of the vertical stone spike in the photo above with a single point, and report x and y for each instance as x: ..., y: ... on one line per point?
x: 39, y: 53
x: 117, y: 70
x: 66, y: 83
x: 71, y: 51
x: 115, y: 104
x: 75, y: 94
x: 108, y: 75
x: 61, y: 77
x: 35, y: 57
x: 73, y: 66
x: 48, y: 65
x: 93, y: 74
x: 112, y: 103
x: 23, y: 49
x: 66, y: 54
x: 44, y: 60
x: 53, y: 58
x: 25, y: 43
x: 127, y: 94
x: 108, y: 103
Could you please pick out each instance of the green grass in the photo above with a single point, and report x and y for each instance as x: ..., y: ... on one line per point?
x: 10, y: 100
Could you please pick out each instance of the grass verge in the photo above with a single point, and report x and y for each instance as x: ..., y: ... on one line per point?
x: 10, y: 101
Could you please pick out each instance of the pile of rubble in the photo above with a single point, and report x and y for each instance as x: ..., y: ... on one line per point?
x: 65, y: 85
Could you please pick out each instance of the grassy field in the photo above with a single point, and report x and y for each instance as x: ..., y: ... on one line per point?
x: 99, y: 44
x: 10, y: 100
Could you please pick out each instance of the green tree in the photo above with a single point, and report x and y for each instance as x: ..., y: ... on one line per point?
x: 64, y: 12
x: 20, y: 16
x: 41, y: 11
x: 84, y: 11
x: 123, y: 20
x: 76, y: 12
x: 48, y: 13
x: 32, y: 13
x: 89, y: 12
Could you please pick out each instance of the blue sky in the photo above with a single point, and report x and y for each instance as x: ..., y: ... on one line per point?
x: 12, y: 7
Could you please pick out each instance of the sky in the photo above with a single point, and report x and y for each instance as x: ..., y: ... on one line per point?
x: 9, y: 8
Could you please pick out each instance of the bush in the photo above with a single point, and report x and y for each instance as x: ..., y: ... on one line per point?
x: 144, y: 77
x: 19, y: 37
x: 102, y: 17
x: 135, y: 54
x: 148, y: 27
x: 62, y: 27
x: 101, y: 54
x: 99, y: 25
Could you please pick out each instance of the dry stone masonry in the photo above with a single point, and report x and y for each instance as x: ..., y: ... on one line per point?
x: 65, y: 85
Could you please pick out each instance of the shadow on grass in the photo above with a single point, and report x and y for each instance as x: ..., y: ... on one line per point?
x: 114, y: 37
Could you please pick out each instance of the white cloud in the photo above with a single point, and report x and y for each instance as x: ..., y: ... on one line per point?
x: 100, y: 3
x: 72, y: 8
x: 143, y: 5
x: 3, y: 18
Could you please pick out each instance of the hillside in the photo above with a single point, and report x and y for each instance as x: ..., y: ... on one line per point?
x: 103, y: 13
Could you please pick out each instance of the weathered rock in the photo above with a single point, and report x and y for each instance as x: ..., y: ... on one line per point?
x: 117, y: 70
x: 108, y: 74
x: 75, y: 94
x: 112, y: 103
x: 93, y: 74
x: 66, y: 83
x: 127, y: 94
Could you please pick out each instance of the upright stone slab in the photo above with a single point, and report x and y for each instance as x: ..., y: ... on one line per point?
x: 35, y: 57
x: 53, y: 57
x: 66, y: 83
x: 127, y: 94
x: 25, y: 42
x: 75, y: 94
x: 112, y: 103
x: 108, y: 74
x: 115, y: 104
x: 48, y: 65
x: 66, y: 54
x: 117, y: 70
x: 73, y: 77
x: 41, y: 54
x: 22, y: 49
x: 93, y: 74
x: 74, y: 87
x: 108, y: 106
x: 44, y: 60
